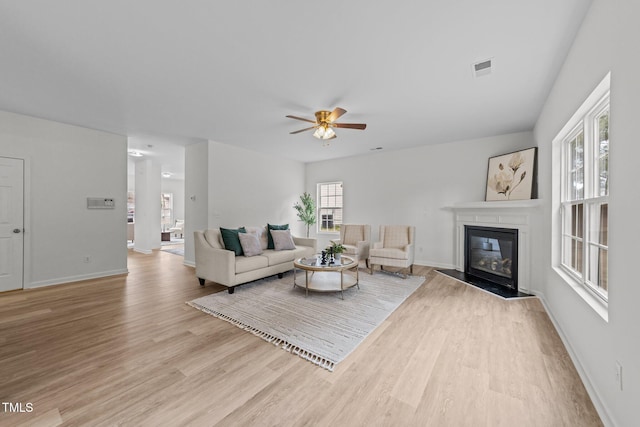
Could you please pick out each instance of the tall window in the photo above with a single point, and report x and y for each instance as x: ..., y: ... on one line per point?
x: 329, y: 207
x: 585, y: 197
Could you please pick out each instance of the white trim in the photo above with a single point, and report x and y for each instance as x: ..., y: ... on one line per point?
x: 26, y: 218
x: 598, y: 305
x: 507, y: 204
x: 514, y: 215
x: 581, y: 121
x: 319, y: 230
x: 78, y: 278
x: 26, y: 259
x: 434, y: 264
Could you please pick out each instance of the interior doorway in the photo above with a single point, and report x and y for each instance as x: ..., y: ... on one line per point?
x: 11, y: 224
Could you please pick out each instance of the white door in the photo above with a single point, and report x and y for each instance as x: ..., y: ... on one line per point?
x: 11, y: 223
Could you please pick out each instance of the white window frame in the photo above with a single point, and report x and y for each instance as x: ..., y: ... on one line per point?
x: 584, y: 120
x: 320, y: 207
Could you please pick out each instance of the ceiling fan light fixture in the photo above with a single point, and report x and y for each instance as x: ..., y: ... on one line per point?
x: 324, y: 131
x: 325, y: 122
x: 329, y: 133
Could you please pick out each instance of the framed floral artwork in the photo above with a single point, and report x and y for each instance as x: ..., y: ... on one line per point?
x: 512, y: 176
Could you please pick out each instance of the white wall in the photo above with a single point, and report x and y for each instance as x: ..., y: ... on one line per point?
x: 196, y: 195
x: 67, y: 164
x: 415, y: 187
x: 606, y: 42
x: 148, y: 210
x: 248, y: 188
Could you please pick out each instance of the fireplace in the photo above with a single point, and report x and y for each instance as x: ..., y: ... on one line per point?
x: 513, y: 217
x: 492, y: 254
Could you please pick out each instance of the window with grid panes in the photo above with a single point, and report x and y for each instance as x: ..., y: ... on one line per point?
x: 585, y: 200
x: 329, y: 207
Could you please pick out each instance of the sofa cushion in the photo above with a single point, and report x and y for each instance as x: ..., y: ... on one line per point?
x: 274, y: 227
x: 261, y: 232
x: 279, y: 257
x: 244, y: 264
x: 250, y: 244
x: 282, y: 240
x: 231, y: 239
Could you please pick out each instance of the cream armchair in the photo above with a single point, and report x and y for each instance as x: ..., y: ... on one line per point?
x: 178, y: 228
x: 356, y: 240
x: 395, y: 248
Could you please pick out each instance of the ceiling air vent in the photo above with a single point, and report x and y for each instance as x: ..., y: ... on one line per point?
x: 482, y: 68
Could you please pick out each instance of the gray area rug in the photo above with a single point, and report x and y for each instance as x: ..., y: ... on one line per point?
x: 321, y: 328
x: 175, y: 251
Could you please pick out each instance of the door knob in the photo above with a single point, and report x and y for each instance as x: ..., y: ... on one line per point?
x: 16, y: 230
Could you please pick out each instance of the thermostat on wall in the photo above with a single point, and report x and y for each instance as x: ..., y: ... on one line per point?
x: 100, y: 203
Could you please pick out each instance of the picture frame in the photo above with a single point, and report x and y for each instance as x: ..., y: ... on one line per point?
x: 513, y: 176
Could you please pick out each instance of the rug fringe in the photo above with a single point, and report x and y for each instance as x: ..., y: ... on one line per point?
x: 279, y: 342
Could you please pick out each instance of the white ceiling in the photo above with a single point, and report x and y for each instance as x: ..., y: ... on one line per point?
x: 231, y: 71
x: 167, y: 152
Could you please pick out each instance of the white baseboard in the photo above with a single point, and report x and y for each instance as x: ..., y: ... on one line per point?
x: 143, y: 251
x: 601, y: 408
x: 433, y: 264
x: 189, y: 263
x: 78, y: 278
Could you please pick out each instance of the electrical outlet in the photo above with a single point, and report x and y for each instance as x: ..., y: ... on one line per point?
x: 87, y: 258
x: 619, y: 375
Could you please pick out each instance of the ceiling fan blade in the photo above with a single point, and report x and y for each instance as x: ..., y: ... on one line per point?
x: 336, y: 114
x: 303, y: 130
x: 300, y: 118
x: 360, y: 126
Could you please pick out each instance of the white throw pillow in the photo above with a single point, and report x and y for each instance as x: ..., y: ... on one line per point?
x: 282, y: 240
x: 250, y: 244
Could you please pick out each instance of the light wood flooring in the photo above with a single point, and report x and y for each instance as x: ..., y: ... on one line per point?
x: 127, y: 350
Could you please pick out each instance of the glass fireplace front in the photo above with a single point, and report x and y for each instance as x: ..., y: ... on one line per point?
x: 492, y: 254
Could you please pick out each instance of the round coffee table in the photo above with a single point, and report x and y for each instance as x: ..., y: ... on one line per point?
x: 323, y: 278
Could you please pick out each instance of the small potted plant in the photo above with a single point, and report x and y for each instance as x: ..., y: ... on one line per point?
x: 336, y: 249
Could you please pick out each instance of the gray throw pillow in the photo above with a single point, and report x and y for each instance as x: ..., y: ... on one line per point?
x: 274, y: 227
x: 250, y: 244
x: 282, y: 240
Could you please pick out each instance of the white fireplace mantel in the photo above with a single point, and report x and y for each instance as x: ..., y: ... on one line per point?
x: 507, y: 204
x: 506, y: 214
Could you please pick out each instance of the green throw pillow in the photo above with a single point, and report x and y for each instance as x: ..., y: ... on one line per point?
x: 274, y: 227
x: 231, y: 239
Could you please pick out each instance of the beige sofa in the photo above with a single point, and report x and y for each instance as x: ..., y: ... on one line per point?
x: 215, y: 263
